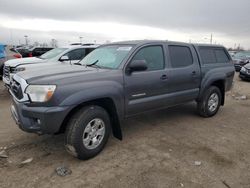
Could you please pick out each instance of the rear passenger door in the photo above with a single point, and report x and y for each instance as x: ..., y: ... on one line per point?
x: 184, y: 73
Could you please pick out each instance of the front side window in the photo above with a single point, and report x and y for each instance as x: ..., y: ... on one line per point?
x: 180, y: 56
x: 153, y: 55
x: 88, y: 50
x: 52, y: 53
x: 77, y: 54
x: 107, y: 56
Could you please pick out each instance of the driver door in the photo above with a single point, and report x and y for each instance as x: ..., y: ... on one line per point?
x: 144, y: 89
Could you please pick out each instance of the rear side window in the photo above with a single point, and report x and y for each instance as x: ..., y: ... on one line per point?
x: 153, y: 55
x: 180, y: 56
x: 210, y: 55
x: 207, y: 56
x: 221, y: 56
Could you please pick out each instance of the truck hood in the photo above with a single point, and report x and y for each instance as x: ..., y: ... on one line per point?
x: 55, y: 74
x: 40, y: 65
x: 22, y: 61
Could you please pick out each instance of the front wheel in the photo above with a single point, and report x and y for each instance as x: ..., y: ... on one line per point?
x: 87, y: 132
x: 210, y: 103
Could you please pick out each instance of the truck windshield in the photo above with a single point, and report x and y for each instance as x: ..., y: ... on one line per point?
x: 107, y: 57
x: 52, y: 53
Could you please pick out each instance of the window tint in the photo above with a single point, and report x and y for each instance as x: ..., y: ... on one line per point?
x: 153, y: 55
x: 180, y: 56
x: 213, y: 55
x: 77, y: 54
x: 88, y: 50
x: 207, y: 56
x: 221, y: 56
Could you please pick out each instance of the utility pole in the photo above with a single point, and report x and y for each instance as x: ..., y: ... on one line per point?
x: 211, y: 39
x: 11, y: 37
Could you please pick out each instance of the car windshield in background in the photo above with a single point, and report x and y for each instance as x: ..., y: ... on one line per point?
x: 242, y: 55
x: 52, y: 53
x: 107, y: 56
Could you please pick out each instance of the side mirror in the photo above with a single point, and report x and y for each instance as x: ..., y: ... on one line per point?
x: 138, y: 65
x: 64, y: 58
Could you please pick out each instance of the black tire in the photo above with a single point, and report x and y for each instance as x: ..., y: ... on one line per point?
x: 75, y: 129
x: 202, y: 105
x: 1, y: 72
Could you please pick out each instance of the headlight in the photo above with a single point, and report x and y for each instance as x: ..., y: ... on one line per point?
x: 243, y: 69
x: 18, y: 69
x: 40, y: 93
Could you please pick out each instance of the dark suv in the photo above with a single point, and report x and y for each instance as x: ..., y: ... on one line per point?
x: 33, y: 52
x: 116, y: 81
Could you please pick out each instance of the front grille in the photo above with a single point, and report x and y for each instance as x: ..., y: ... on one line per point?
x: 248, y: 71
x: 6, y: 72
x: 16, y: 89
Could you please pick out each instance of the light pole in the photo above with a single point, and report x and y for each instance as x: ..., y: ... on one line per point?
x: 26, y: 40
x: 211, y: 39
x: 80, y: 39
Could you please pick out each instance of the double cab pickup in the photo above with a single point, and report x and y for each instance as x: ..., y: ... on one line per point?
x: 89, y: 100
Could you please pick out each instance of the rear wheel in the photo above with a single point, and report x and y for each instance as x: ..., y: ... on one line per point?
x: 210, y: 103
x: 87, y: 132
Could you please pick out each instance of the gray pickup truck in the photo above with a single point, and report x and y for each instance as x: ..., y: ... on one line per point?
x: 89, y: 100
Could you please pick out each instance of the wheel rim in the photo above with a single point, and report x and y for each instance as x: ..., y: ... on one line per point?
x: 93, y: 133
x: 213, y: 102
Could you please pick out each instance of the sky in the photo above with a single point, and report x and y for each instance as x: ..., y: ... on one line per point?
x: 113, y: 20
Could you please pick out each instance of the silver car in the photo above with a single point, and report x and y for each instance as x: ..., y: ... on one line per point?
x: 69, y: 54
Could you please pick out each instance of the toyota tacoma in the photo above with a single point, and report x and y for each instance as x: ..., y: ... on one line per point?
x: 89, y: 100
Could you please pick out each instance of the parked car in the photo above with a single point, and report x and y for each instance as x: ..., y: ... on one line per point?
x: 7, y: 53
x: 33, y: 51
x: 245, y: 72
x: 23, y: 50
x: 38, y: 51
x: 240, y: 59
x: 232, y: 53
x: 70, y: 54
x: 89, y: 100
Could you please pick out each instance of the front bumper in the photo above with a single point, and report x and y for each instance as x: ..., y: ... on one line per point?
x: 41, y: 120
x: 6, y: 81
x: 237, y: 67
x: 244, y: 75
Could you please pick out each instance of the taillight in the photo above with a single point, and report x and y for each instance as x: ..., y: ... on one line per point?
x: 30, y: 54
x: 17, y: 56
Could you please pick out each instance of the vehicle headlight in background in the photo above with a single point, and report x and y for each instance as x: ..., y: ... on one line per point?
x: 243, y: 69
x: 18, y: 69
x: 40, y: 93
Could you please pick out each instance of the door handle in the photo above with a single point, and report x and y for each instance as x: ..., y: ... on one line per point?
x: 194, y: 74
x: 164, y: 77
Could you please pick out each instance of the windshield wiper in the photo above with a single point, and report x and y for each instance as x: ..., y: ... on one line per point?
x: 40, y: 57
x: 77, y: 64
x: 93, y: 64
